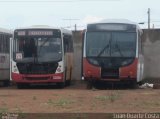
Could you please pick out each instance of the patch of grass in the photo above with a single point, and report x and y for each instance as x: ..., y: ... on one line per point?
x: 3, y: 110
x: 94, y: 105
x: 112, y: 97
x: 18, y: 109
x: 55, y: 94
x: 60, y: 102
x: 3, y: 107
x: 153, y: 104
x: 34, y: 98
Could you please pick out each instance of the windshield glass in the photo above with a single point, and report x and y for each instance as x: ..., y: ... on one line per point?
x: 41, y: 49
x: 111, y: 44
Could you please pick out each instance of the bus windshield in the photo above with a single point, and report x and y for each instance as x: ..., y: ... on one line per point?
x: 40, y: 49
x: 110, y: 44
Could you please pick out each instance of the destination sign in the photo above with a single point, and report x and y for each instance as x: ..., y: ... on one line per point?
x: 40, y: 33
x: 36, y: 33
x: 21, y: 33
x: 111, y: 27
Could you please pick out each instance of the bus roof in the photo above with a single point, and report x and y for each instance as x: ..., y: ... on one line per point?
x: 3, y: 30
x: 46, y: 27
x: 119, y: 21
x: 122, y: 21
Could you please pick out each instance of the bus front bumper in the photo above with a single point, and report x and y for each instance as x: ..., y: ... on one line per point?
x: 47, y: 78
x: 110, y: 79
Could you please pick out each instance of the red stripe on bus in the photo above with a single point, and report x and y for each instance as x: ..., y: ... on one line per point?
x: 49, y: 78
x: 90, y: 70
x: 129, y: 71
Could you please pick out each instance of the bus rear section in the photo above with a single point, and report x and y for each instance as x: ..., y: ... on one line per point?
x: 5, y: 36
x: 39, y: 57
x: 112, y: 52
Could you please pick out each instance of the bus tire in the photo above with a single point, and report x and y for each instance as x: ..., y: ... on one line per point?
x: 68, y: 82
x: 140, y: 83
x: 89, y: 84
x: 133, y: 84
x: 61, y: 85
x: 22, y: 85
x: 6, y: 83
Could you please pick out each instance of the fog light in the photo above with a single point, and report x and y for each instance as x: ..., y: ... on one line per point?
x: 131, y: 73
x: 89, y: 72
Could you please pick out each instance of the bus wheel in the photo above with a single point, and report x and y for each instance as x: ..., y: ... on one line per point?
x: 6, y: 83
x: 68, y: 82
x: 61, y: 85
x: 133, y: 84
x: 140, y: 83
x: 22, y: 85
x: 89, y: 84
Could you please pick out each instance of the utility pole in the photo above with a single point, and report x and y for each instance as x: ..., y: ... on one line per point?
x: 70, y: 21
x: 153, y: 26
x: 75, y: 27
x: 149, y: 17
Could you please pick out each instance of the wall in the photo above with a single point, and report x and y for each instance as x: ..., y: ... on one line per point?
x: 151, y: 49
x: 77, y: 44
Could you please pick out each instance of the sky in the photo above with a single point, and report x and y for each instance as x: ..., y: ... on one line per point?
x: 67, y: 13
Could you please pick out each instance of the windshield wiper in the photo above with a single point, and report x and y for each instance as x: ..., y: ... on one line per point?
x: 40, y: 47
x: 106, y: 47
x: 43, y: 44
x: 120, y: 52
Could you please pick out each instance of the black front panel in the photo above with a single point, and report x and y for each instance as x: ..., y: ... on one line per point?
x: 37, y: 68
x: 111, y: 62
x: 111, y: 73
x: 110, y: 66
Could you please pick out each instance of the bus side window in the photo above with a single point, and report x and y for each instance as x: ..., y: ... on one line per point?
x: 140, y: 51
x: 1, y: 45
x: 68, y: 44
x: 65, y: 44
x: 6, y: 43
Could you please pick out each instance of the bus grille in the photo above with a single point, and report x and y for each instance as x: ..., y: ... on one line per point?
x: 37, y: 68
x: 36, y: 78
x: 110, y: 73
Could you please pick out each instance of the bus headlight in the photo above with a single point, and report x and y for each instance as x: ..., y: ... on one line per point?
x: 93, y: 61
x: 58, y: 69
x: 126, y: 62
x: 15, y: 69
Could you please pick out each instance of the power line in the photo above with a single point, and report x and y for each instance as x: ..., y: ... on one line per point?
x: 149, y: 17
x: 21, y: 1
x: 145, y: 22
x: 32, y: 1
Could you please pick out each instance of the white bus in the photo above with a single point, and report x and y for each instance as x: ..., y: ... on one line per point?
x: 5, y: 36
x: 42, y: 54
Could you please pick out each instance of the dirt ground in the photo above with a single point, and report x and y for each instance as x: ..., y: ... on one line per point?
x: 78, y: 99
